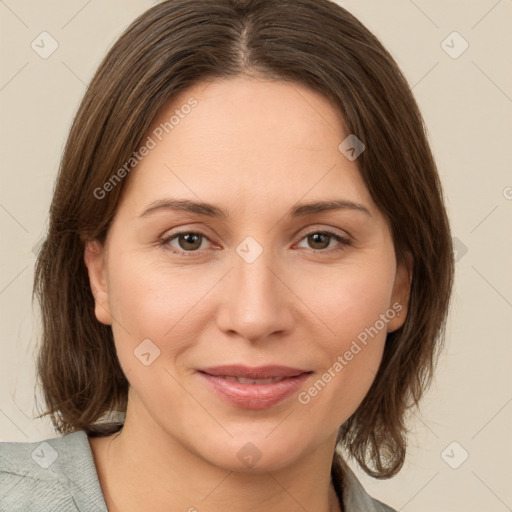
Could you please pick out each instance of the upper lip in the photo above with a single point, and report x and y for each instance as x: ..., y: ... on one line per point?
x: 252, y: 372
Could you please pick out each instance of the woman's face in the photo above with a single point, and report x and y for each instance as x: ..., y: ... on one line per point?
x: 259, y: 284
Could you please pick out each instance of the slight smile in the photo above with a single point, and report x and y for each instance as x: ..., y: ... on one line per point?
x: 254, y: 387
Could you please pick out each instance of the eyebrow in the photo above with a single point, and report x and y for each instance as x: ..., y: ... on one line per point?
x: 211, y: 210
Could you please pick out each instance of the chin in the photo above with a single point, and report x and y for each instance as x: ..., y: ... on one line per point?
x: 259, y: 455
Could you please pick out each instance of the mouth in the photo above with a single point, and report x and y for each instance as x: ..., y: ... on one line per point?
x: 244, y: 380
x: 253, y: 387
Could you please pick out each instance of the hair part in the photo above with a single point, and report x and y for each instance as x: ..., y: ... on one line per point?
x: 171, y: 47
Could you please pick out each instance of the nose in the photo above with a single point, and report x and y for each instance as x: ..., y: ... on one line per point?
x: 257, y: 300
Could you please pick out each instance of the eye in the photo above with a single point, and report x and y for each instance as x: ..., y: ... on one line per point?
x: 189, y: 242
x: 321, y: 240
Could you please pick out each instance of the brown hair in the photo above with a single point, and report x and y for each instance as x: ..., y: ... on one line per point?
x: 171, y: 47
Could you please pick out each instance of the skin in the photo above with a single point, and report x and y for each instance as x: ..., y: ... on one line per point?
x: 254, y: 148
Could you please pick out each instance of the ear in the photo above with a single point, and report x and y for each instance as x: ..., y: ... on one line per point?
x: 95, y: 261
x: 401, y: 292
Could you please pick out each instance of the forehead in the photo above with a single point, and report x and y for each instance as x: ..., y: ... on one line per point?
x: 248, y: 138
x: 250, y: 114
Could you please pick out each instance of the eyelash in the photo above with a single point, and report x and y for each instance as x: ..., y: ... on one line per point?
x: 344, y: 241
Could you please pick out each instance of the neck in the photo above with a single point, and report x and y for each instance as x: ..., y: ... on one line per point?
x: 143, y: 468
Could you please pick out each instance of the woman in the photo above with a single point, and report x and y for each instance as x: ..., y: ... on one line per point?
x: 248, y: 259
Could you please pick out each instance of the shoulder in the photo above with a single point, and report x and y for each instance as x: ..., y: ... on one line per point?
x: 355, y: 497
x: 52, y: 474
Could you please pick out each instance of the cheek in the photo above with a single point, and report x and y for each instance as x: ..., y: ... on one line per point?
x: 150, y: 305
x: 361, y: 313
x: 148, y: 295
x: 351, y: 299
x: 152, y: 302
x: 357, y: 310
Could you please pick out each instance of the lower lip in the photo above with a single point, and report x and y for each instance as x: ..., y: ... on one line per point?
x: 254, y: 396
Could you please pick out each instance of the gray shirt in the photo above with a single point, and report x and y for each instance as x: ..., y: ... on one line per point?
x: 59, y: 475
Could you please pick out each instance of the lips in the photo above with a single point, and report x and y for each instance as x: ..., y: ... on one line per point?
x: 259, y: 372
x: 245, y: 380
x: 253, y: 387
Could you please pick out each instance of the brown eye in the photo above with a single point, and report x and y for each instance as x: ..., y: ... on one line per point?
x: 188, y: 242
x: 321, y: 240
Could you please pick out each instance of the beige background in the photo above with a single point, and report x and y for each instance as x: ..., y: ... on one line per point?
x: 467, y: 104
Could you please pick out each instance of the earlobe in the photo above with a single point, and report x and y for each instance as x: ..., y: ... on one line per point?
x: 95, y: 261
x: 401, y: 293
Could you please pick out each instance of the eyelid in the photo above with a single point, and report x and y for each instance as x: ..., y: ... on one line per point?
x: 314, y: 229
x: 165, y: 240
x: 343, y: 240
x: 333, y: 231
x: 342, y: 237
